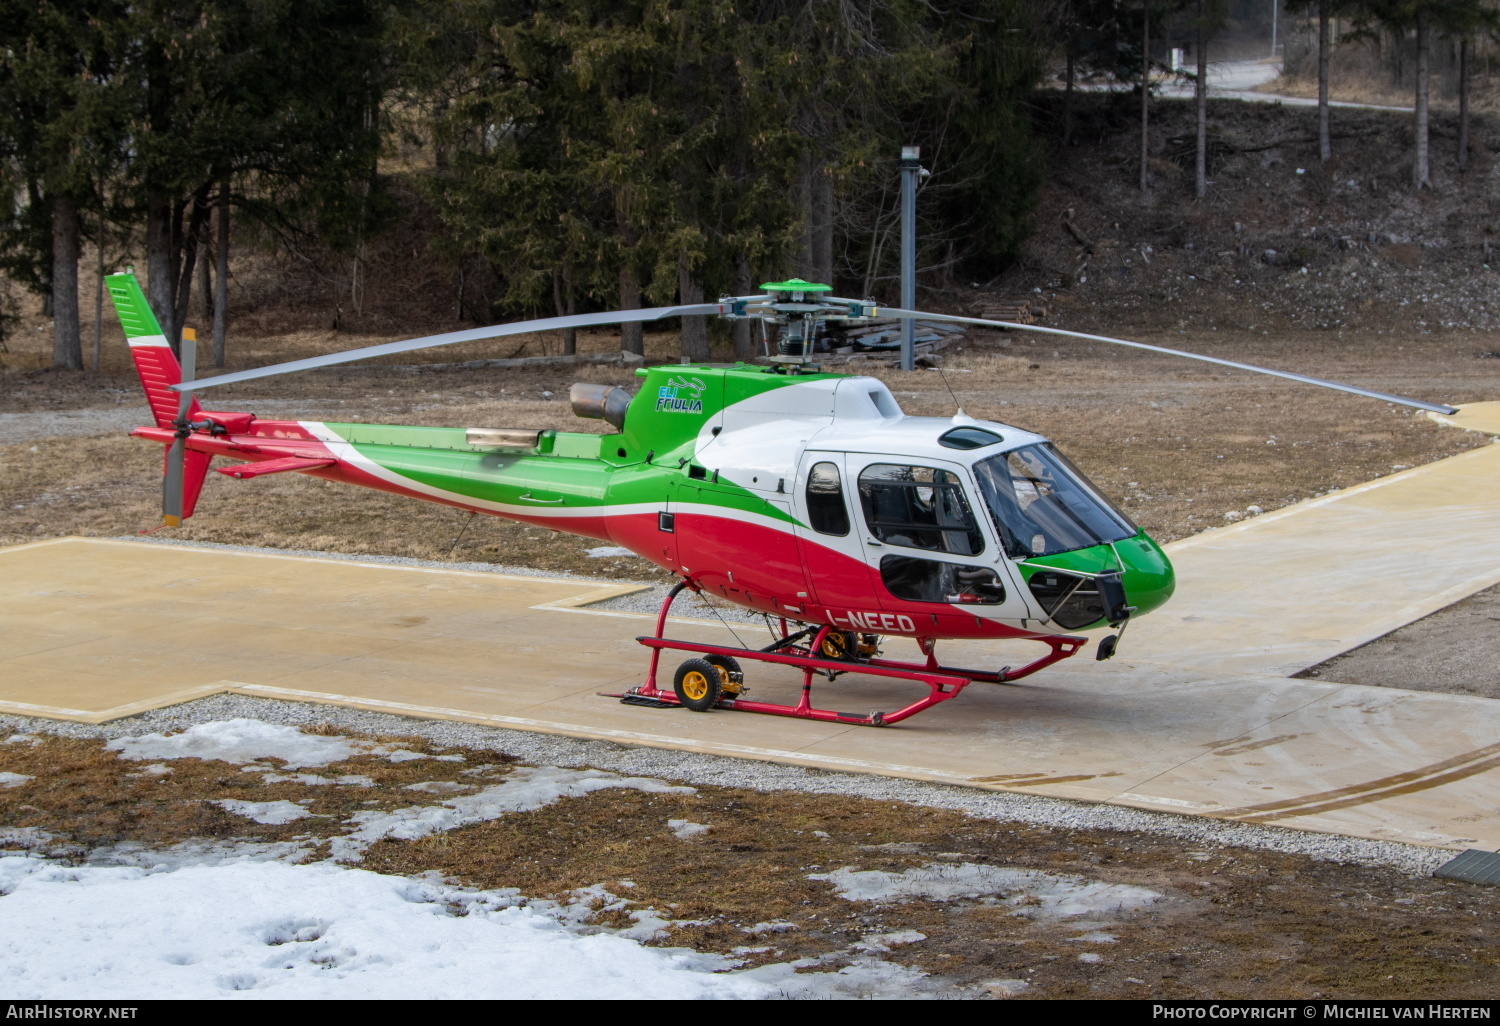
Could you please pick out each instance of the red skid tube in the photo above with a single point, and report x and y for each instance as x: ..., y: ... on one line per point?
x: 943, y: 682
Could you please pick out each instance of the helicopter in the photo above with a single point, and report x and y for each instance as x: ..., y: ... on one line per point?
x: 807, y: 497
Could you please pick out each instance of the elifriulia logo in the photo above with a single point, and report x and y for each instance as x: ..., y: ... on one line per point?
x: 670, y: 398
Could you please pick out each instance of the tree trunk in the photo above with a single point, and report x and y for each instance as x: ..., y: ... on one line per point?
x: 1200, y: 95
x: 221, y: 275
x: 35, y: 201
x: 562, y: 299
x: 205, y: 270
x: 159, y: 257
x: 1145, y: 91
x: 1325, y: 144
x: 99, y: 285
x: 67, y: 346
x: 1463, y: 102
x: 196, y: 212
x: 822, y: 234
x: 744, y: 341
x: 803, y: 266
x: 694, y: 329
x: 632, y: 337
x: 1067, y: 132
x: 1421, y: 170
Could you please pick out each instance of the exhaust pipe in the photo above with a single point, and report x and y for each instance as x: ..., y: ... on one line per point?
x: 600, y: 402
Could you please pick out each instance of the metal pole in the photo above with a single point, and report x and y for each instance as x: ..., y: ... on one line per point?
x: 1275, y: 4
x: 911, y: 165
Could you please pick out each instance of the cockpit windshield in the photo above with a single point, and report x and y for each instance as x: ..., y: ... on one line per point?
x: 1042, y: 504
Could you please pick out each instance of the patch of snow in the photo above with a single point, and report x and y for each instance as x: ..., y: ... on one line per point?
x: 605, y: 551
x: 238, y: 741
x: 586, y: 902
x: 23, y: 837
x: 13, y: 779
x: 156, y: 769
x: 685, y: 829
x: 1094, y: 937
x: 1005, y: 988
x: 780, y: 926
x: 877, y: 942
x: 525, y: 789
x: 22, y: 739
x: 406, y: 755
x: 199, y: 853
x: 1090, y: 958
x: 867, y: 978
x: 268, y: 929
x: 1030, y: 892
x: 271, y: 813
x: 314, y: 779
x: 439, y: 787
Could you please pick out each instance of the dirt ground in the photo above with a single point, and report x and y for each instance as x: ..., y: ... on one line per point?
x: 1453, y: 650
x: 1224, y: 922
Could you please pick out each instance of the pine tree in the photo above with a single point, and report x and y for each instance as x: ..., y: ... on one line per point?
x: 59, y: 133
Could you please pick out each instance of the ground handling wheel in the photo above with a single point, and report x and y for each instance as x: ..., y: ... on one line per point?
x: 731, y: 677
x: 698, y: 685
x: 840, y: 645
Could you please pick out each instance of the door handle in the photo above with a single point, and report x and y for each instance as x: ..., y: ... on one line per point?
x: 529, y: 498
x: 872, y: 541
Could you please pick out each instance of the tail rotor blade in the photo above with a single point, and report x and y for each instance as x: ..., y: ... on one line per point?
x: 171, y: 481
x: 171, y: 485
x: 1289, y: 375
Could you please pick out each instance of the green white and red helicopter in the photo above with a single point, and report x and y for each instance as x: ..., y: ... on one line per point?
x: 805, y: 496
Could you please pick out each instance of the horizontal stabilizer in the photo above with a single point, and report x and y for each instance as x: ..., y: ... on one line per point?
x: 281, y: 466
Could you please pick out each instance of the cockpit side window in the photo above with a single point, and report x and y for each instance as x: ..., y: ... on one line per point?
x: 919, y: 507
x: 1041, y: 504
x: 825, y: 500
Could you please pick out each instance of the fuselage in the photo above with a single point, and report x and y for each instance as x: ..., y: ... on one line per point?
x: 805, y: 496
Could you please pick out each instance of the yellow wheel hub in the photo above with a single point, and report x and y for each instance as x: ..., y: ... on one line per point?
x: 695, y: 685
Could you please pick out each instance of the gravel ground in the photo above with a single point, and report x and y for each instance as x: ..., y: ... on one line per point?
x: 693, y: 768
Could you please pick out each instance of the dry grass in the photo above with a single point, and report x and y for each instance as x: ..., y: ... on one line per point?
x: 1233, y: 923
x: 89, y: 798
x: 1358, y: 74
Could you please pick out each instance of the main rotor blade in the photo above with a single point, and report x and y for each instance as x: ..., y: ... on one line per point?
x: 1419, y: 404
x: 454, y: 337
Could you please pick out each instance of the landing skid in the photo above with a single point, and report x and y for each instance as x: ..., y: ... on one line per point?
x: 943, y: 682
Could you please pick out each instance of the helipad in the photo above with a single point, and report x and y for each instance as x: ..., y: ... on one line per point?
x: 1197, y: 714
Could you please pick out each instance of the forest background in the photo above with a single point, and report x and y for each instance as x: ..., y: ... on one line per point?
x: 573, y: 155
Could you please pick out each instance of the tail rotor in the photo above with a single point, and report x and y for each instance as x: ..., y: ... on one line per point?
x: 172, y: 476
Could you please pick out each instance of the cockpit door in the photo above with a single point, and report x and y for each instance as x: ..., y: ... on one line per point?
x: 931, y: 550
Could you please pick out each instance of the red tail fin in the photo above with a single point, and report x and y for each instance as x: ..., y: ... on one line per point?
x: 154, y: 360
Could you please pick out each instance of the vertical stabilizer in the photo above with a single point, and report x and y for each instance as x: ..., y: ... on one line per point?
x: 154, y: 360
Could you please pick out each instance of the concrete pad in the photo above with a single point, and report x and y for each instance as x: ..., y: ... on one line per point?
x: 1481, y: 417
x: 1280, y: 592
x: 1201, y: 719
